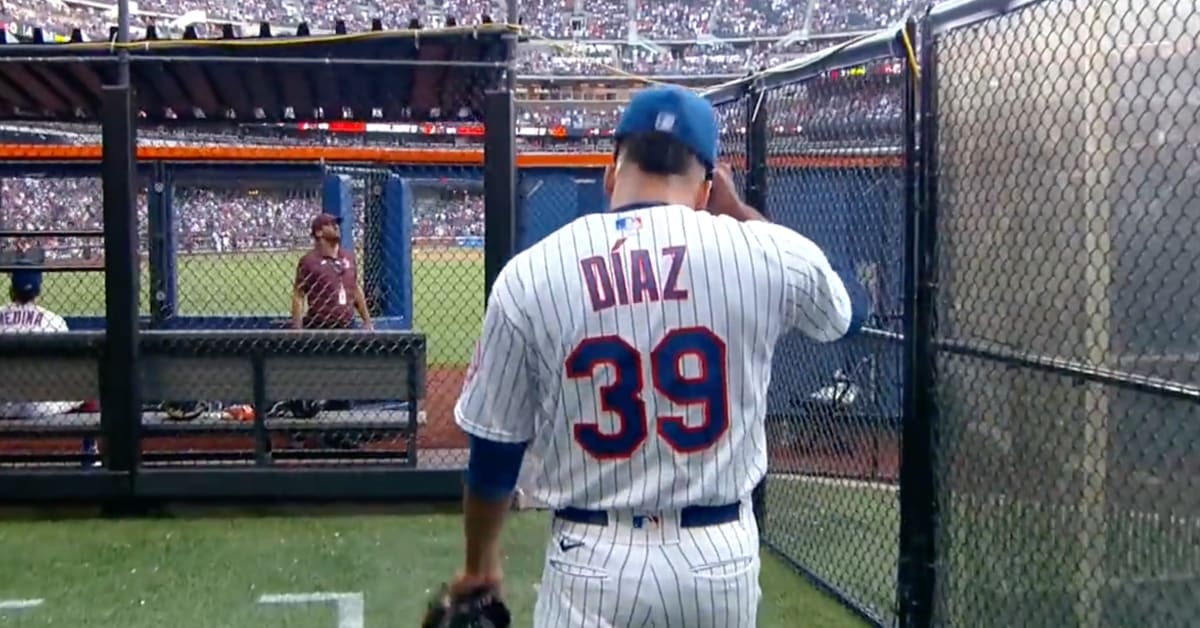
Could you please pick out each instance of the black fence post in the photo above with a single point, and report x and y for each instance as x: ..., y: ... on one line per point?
x: 500, y: 203
x: 757, y: 137
x: 120, y: 375
x: 918, y: 497
x: 500, y: 186
x: 162, y: 245
x: 756, y: 197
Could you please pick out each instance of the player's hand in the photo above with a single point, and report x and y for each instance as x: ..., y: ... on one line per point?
x: 463, y: 604
x: 723, y: 199
x: 368, y: 325
x: 466, y: 582
x: 297, y: 324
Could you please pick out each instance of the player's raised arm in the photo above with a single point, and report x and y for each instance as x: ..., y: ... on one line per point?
x: 823, y: 302
x: 496, y: 410
x: 724, y: 199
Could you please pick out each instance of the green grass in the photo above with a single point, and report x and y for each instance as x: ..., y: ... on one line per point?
x: 211, y: 572
x: 447, y: 294
x: 846, y: 533
x: 1006, y: 562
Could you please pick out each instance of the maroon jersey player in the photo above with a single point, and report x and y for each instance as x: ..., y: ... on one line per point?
x: 326, y: 292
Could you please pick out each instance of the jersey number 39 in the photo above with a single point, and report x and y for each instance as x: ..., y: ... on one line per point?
x: 623, y: 396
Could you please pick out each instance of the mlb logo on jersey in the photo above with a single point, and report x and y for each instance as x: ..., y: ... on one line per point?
x: 628, y: 224
x: 641, y: 522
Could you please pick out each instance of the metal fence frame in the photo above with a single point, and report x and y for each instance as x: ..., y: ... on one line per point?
x: 752, y: 94
x: 922, y: 544
x: 124, y: 481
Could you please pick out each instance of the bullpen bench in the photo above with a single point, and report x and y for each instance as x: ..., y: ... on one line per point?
x: 211, y: 457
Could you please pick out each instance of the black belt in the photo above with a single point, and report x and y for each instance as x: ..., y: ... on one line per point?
x: 689, y: 517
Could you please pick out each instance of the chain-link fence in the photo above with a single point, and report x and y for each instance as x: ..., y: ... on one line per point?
x: 448, y: 299
x: 238, y: 243
x: 55, y: 222
x: 231, y: 261
x: 834, y: 173
x: 1028, y: 191
x: 248, y: 257
x: 295, y: 397
x: 294, y: 285
x: 52, y: 224
x: 1069, y: 150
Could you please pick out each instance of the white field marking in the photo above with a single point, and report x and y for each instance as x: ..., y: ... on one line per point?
x: 349, y: 605
x: 845, y: 482
x: 20, y: 605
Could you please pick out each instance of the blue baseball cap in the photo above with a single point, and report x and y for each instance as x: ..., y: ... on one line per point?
x: 678, y: 112
x: 27, y: 280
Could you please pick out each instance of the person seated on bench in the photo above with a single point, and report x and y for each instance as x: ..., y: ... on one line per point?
x: 23, y: 315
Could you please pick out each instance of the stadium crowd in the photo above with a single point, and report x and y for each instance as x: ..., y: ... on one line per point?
x: 555, y: 19
x: 699, y: 60
x: 209, y: 219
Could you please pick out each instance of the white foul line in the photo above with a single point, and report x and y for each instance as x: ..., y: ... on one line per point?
x: 349, y: 605
x: 19, y: 605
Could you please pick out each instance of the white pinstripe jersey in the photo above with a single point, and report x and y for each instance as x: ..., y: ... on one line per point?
x: 633, y: 351
x: 28, y: 318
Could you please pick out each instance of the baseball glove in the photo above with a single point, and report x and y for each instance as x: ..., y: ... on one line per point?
x: 184, y: 410
x: 481, y: 608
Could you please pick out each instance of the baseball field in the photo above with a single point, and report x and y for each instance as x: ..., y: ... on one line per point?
x: 333, y: 571
x: 447, y: 295
x: 344, y: 571
x: 296, y: 571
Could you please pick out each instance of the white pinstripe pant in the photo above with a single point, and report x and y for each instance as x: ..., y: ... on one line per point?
x: 657, y: 574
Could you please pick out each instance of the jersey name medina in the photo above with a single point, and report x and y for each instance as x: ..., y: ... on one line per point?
x: 27, y: 317
x: 24, y: 318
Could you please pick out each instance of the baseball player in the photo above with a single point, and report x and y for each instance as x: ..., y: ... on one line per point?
x: 24, y: 315
x: 631, y: 352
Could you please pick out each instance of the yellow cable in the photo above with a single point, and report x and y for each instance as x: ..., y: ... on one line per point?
x: 911, y: 52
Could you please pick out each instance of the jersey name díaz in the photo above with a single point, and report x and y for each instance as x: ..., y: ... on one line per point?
x: 627, y: 277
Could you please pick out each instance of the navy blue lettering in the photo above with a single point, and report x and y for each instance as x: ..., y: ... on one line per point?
x: 622, y: 395
x: 634, y: 280
x: 642, y: 283
x: 599, y: 283
x: 671, y: 290
x: 619, y: 279
x: 22, y: 318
